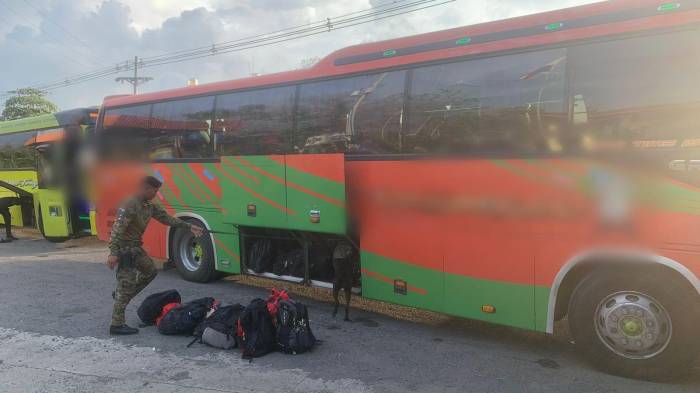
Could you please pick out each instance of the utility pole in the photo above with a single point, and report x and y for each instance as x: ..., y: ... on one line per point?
x: 136, y: 79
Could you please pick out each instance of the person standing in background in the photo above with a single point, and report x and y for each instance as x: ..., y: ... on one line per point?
x: 5, y: 204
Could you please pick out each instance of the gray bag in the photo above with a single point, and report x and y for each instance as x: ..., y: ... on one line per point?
x: 217, y: 339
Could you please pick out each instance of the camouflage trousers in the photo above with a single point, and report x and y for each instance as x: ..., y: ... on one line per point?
x: 131, y: 279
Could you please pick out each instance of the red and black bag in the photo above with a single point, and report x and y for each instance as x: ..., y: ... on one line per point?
x: 182, y: 320
x: 152, y: 306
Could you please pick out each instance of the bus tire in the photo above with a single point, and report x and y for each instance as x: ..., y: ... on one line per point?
x: 636, y: 325
x: 52, y: 239
x: 194, y: 257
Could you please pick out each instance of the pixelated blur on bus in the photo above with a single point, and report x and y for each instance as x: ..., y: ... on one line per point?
x: 517, y: 172
x: 40, y: 161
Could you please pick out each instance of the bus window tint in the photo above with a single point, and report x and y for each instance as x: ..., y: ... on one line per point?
x: 360, y: 114
x: 181, y: 129
x: 375, y: 124
x: 646, y: 94
x: 14, y: 153
x: 254, y: 122
x: 504, y: 105
x: 126, y: 133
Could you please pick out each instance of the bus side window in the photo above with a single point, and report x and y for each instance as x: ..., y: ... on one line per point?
x: 377, y: 119
x: 643, y: 96
x: 361, y: 115
x: 254, y: 122
x: 14, y: 154
x: 125, y: 134
x: 181, y: 129
x: 505, y: 104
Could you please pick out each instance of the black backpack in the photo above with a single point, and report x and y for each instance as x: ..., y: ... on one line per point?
x: 289, y: 264
x: 260, y: 257
x: 293, y: 329
x: 256, y: 333
x: 152, y: 306
x: 185, y: 318
x: 219, y: 329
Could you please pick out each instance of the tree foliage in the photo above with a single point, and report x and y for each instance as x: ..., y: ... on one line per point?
x: 27, y: 102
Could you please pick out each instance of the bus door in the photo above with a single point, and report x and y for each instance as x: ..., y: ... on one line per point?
x: 52, y: 212
x: 61, y: 203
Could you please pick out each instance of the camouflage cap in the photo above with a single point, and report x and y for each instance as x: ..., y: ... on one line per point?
x: 152, y: 181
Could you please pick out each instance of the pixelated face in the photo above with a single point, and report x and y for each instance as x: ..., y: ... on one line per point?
x: 148, y: 192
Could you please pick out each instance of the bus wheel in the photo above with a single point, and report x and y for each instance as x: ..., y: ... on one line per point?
x: 194, y: 257
x: 635, y: 325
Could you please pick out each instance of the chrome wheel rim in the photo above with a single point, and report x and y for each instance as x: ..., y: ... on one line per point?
x: 191, y: 253
x: 633, y: 325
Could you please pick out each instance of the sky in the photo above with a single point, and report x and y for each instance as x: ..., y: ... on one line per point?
x: 48, y: 40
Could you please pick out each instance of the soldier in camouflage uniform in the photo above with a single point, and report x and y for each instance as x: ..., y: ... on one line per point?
x: 134, y: 268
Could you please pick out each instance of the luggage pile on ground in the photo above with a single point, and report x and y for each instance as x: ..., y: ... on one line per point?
x: 278, y: 323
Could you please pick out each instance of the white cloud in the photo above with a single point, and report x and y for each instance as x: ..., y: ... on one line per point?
x: 50, y: 39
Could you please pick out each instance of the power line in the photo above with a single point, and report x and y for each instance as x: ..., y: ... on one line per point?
x: 323, y: 26
x: 286, y: 29
x: 381, y: 12
x: 275, y: 40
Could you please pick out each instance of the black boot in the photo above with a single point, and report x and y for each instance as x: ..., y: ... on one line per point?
x: 10, y: 237
x: 5, y: 241
x: 122, y: 330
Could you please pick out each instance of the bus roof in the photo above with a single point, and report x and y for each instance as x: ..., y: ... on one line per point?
x: 28, y: 123
x: 58, y: 119
x: 583, y: 22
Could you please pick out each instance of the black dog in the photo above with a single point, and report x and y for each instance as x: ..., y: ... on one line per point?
x: 344, y: 275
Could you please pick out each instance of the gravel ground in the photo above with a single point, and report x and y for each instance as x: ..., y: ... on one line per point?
x: 55, y: 312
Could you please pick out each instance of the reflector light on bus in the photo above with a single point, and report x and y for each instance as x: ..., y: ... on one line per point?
x: 488, y: 309
x: 463, y: 41
x: 669, y: 7
x: 554, y: 26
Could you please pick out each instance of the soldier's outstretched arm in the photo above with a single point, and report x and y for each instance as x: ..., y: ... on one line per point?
x: 164, y: 218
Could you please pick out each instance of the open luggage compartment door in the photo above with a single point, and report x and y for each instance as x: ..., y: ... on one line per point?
x: 316, y: 193
x: 253, y: 191
x: 304, y: 192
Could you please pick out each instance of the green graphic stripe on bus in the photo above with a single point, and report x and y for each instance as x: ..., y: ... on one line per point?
x: 206, y: 191
x: 233, y: 165
x: 221, y: 246
x: 300, y: 181
x: 261, y: 203
x: 192, y: 188
x: 333, y: 193
x: 517, y: 305
x: 196, y: 187
x: 377, y: 276
x: 429, y: 281
x: 298, y: 200
x: 662, y: 193
x: 320, y: 201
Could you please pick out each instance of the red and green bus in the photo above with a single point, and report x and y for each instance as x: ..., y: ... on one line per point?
x: 516, y: 172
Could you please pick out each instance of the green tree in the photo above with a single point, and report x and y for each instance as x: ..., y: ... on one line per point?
x: 27, y: 102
